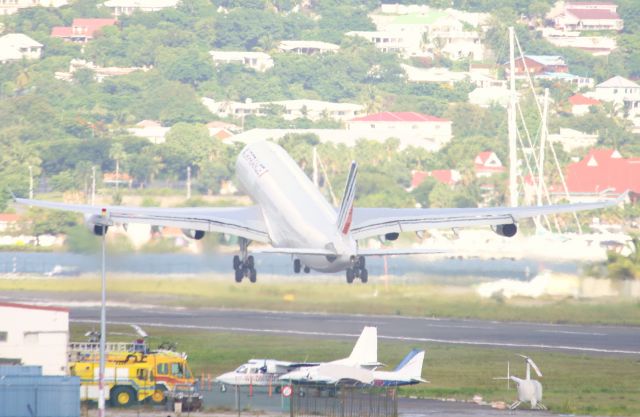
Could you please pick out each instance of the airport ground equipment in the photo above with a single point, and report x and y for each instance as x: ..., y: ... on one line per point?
x: 529, y: 390
x: 133, y: 372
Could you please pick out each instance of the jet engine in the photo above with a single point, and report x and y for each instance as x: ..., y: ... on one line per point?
x: 391, y: 236
x: 506, y: 230
x: 193, y: 234
x: 94, y: 225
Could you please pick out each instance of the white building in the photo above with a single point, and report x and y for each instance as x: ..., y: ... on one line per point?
x: 258, y: 61
x: 307, y: 47
x: 595, y: 45
x: 17, y: 46
x: 426, y: 131
x: 35, y: 335
x: 440, y: 75
x: 573, y: 139
x: 490, y: 96
x: 391, y: 41
x: 151, y: 130
x: 589, y: 16
x: 624, y: 93
x: 12, y: 6
x: 127, y: 7
x: 290, y: 109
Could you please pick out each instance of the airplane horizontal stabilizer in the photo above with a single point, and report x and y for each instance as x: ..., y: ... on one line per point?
x: 407, y: 251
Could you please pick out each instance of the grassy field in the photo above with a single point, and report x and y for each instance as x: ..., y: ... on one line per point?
x: 572, y: 383
x: 423, y: 300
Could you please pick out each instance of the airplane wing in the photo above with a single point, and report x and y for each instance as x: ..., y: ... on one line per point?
x: 369, y: 222
x: 244, y: 222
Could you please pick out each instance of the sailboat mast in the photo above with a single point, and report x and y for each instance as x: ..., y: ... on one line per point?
x: 511, y: 114
x: 543, y: 143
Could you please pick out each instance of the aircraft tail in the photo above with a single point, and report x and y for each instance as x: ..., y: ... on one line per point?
x: 346, y: 206
x: 411, y: 365
x: 365, y: 352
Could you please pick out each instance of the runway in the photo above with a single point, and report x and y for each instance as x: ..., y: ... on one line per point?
x: 578, y: 339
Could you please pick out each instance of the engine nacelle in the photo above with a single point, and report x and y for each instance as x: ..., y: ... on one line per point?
x: 506, y: 230
x: 94, y: 226
x: 193, y: 234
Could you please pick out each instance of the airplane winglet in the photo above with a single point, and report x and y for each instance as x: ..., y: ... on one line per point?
x: 623, y: 197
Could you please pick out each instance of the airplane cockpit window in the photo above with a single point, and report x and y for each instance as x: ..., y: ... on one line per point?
x: 242, y: 369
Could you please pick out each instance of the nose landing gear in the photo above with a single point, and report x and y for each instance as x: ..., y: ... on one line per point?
x: 357, y: 270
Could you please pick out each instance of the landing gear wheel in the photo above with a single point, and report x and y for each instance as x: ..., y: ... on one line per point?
x: 239, y: 275
x: 253, y: 275
x: 350, y: 275
x: 307, y: 269
x: 297, y: 266
x: 236, y: 262
x: 364, y: 276
x: 361, y: 262
x: 250, y: 262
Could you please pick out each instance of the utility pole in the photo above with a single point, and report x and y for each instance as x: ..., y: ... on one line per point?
x: 93, y: 185
x: 30, y: 182
x: 513, y: 156
x: 188, y: 182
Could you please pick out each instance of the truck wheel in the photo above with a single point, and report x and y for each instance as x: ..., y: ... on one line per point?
x: 158, y: 397
x: 123, y: 396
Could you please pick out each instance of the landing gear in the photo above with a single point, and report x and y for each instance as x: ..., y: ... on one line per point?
x: 307, y: 269
x: 297, y: 266
x: 244, y: 265
x: 357, y: 270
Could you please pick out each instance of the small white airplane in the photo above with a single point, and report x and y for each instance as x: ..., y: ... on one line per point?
x: 408, y: 372
x: 264, y: 372
x: 292, y: 216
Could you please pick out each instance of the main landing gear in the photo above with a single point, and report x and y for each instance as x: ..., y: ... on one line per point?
x: 357, y: 270
x: 297, y: 267
x: 244, y: 265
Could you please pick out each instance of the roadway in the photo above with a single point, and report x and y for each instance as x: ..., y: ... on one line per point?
x: 580, y: 339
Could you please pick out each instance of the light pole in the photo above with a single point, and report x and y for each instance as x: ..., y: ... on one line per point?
x: 103, y: 325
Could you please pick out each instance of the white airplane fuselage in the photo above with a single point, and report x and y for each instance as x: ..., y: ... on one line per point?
x: 295, y: 212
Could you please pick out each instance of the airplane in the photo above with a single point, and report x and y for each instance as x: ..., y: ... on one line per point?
x: 408, y: 372
x: 264, y: 372
x: 291, y: 215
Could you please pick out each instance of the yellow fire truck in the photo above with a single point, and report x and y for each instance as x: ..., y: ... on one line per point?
x: 133, y: 373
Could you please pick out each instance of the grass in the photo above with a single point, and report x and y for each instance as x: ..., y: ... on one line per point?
x: 424, y: 300
x: 572, y: 383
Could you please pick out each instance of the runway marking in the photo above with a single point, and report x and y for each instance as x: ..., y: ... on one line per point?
x: 568, y: 332
x: 330, y: 334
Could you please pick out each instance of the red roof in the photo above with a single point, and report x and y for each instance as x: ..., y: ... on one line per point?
x: 34, y: 307
x: 61, y: 32
x: 594, y: 14
x: 579, y: 99
x: 445, y: 176
x: 398, y: 117
x: 90, y: 26
x: 9, y: 217
x: 604, y: 169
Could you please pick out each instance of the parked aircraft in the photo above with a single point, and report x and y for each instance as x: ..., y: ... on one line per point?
x: 408, y: 372
x: 292, y: 216
x: 264, y: 372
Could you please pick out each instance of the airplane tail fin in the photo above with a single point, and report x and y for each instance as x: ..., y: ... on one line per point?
x: 346, y: 206
x: 365, y: 352
x: 411, y: 365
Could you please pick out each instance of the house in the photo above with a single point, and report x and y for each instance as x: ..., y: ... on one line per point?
x: 487, y: 164
x: 390, y: 41
x: 35, y: 335
x: 571, y: 139
x: 624, y: 93
x: 17, y: 46
x: 127, y: 7
x: 425, y: 131
x: 448, y: 177
x: 581, y: 105
x: 8, y: 7
x: 289, y: 109
x: 307, y: 47
x: 595, y: 45
x: 490, y: 96
x: 258, y: 61
x: 603, y: 172
x: 441, y: 75
x: 81, y: 30
x: 589, y: 16
x: 575, y: 80
x: 122, y: 178
x: 8, y: 221
x: 539, y: 64
x: 151, y: 130
x: 99, y: 73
